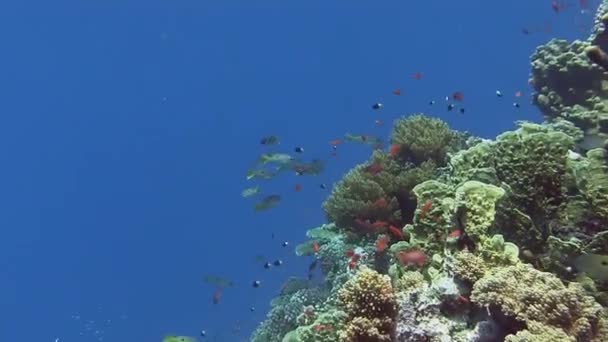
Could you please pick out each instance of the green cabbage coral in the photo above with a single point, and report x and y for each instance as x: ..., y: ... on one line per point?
x: 539, y: 299
x: 421, y: 138
x: 479, y: 201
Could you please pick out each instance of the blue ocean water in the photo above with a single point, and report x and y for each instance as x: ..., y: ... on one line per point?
x: 127, y: 128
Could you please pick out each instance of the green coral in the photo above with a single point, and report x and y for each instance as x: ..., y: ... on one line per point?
x: 497, y: 252
x: 433, y: 216
x: 563, y: 76
x: 479, y: 201
x: 532, y: 160
x: 474, y: 163
x: 534, y: 297
x: 469, y: 267
x: 536, y: 332
x: 382, y: 178
x: 591, y: 175
x: 325, y: 328
x: 320, y: 235
x: 423, y: 138
x: 491, y: 252
x: 284, y: 313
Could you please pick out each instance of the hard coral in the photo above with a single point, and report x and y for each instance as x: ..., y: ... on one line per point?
x: 423, y: 138
x: 538, y: 299
x: 378, y: 196
x: 370, y: 305
x: 591, y: 175
x: 478, y: 200
x: 563, y: 76
x: 283, y: 315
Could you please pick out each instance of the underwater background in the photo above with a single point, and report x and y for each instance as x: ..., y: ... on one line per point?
x: 128, y: 130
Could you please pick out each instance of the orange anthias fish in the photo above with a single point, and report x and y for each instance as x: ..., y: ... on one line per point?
x: 380, y: 203
x: 417, y: 76
x: 425, y: 208
x: 458, y: 96
x: 335, y: 142
x: 396, y: 232
x: 381, y: 243
x: 518, y: 93
x: 322, y: 327
x: 379, y: 224
x: 455, y: 234
x: 217, y: 296
x: 354, y: 258
x: 374, y: 168
x: 412, y: 257
x: 397, y: 92
x: 394, y: 150
x: 364, y: 227
x: 298, y: 188
x: 315, y: 247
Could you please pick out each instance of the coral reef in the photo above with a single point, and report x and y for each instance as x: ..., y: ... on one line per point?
x: 448, y: 237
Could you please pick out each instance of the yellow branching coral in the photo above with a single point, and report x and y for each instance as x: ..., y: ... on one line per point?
x: 370, y: 304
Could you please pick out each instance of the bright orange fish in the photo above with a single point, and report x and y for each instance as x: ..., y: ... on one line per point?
x: 381, y: 243
x: 217, y: 296
x: 417, y: 76
x: 458, y: 96
x: 518, y: 93
x: 394, y: 150
x: 455, y: 234
x: 335, y: 142
x: 315, y: 247
x: 379, y: 224
x: 397, y: 92
x: 396, y: 232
